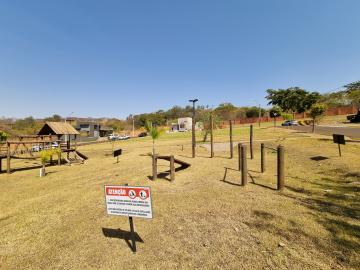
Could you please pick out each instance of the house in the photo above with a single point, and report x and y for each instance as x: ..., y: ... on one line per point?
x: 185, y: 123
x: 93, y: 129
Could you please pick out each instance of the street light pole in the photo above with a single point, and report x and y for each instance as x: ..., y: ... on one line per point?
x: 193, y: 126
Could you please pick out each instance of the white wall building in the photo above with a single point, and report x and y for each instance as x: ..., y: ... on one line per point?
x: 185, y: 123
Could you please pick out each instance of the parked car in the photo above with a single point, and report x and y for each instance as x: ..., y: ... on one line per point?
x: 36, y: 148
x: 113, y: 137
x: 290, y: 123
x: 142, y: 134
x: 125, y: 137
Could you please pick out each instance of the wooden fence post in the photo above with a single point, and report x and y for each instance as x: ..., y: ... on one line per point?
x: 243, y: 165
x: 280, y: 168
x: 231, y: 140
x: 251, y: 142
x: 59, y: 153
x: 154, y: 168
x: 172, y: 168
x: 239, y: 155
x: 211, y: 135
x: 262, y: 157
x: 8, y: 158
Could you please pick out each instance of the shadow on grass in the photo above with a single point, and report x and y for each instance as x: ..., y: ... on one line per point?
x: 225, y: 176
x: 32, y: 167
x: 121, y: 234
x: 259, y: 184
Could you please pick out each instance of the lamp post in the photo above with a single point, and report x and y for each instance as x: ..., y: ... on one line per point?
x: 193, y: 126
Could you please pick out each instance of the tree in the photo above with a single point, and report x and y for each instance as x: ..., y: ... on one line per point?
x: 54, y: 118
x: 316, y: 112
x: 154, y: 132
x: 226, y: 111
x: 45, y: 156
x: 275, y: 112
x: 3, y: 136
x: 292, y: 100
x: 353, y: 92
x: 205, y: 118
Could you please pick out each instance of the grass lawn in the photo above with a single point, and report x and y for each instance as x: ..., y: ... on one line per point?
x: 204, y: 219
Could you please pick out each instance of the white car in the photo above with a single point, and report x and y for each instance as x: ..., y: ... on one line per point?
x: 113, y: 137
x: 36, y: 148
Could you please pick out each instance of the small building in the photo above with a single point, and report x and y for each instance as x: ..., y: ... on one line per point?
x: 106, y: 131
x: 93, y: 129
x: 185, y: 123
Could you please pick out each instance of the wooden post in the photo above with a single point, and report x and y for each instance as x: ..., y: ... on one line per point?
x: 59, y: 154
x: 132, y: 232
x: 231, y: 140
x: 75, y: 142
x: 262, y: 157
x: 8, y: 158
x: 172, y: 168
x: 239, y: 156
x: 280, y: 168
x: 243, y: 165
x: 0, y: 164
x: 154, y: 168
x: 211, y: 135
x: 251, y: 142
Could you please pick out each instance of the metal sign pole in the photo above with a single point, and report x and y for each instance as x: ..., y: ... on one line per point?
x: 339, y: 149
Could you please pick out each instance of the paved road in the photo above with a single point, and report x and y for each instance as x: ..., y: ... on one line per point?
x: 352, y: 132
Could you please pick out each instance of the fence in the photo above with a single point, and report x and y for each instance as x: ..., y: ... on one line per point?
x: 343, y: 110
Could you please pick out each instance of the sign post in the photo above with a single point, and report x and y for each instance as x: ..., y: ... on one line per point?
x: 117, y: 153
x: 339, y: 139
x: 131, y: 202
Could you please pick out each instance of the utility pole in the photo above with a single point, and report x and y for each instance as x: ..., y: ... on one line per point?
x: 193, y: 126
x: 133, y: 126
x: 259, y: 115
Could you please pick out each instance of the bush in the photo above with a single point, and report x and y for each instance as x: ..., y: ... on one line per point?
x: 287, y: 116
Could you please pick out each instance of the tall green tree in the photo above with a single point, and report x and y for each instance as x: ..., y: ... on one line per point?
x: 293, y: 100
x: 353, y: 92
x: 226, y: 111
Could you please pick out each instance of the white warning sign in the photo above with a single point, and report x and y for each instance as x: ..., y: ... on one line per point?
x: 128, y: 201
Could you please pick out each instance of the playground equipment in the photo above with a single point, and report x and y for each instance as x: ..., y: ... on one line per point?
x: 280, y: 163
x: 51, y: 135
x: 172, y: 160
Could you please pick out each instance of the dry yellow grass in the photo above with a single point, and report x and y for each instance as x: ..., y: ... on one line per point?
x: 200, y: 220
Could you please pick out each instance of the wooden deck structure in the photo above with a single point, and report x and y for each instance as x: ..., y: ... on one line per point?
x: 20, y: 146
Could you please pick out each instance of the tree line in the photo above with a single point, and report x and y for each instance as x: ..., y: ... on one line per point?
x: 284, y: 102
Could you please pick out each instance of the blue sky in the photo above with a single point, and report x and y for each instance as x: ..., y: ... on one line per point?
x: 115, y: 58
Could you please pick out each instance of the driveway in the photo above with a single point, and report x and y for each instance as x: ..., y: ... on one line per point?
x: 352, y: 132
